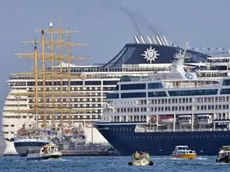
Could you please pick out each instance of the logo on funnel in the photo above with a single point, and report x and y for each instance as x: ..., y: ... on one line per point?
x: 150, y: 54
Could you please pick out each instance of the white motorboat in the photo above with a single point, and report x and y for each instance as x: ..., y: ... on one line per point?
x: 49, y: 151
x: 224, y: 154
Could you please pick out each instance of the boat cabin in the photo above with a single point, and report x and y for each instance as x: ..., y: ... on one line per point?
x: 49, y: 148
x: 183, y: 149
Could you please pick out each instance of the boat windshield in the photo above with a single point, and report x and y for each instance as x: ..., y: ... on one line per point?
x: 185, y: 152
x: 182, y: 148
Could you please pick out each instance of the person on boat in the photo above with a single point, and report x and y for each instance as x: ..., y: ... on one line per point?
x: 147, y: 155
x: 137, y: 155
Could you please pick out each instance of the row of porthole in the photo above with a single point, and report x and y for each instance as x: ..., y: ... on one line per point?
x: 170, y: 137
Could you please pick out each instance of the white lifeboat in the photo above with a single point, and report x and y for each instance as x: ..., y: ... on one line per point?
x: 204, y: 119
x: 68, y: 132
x: 167, y: 119
x: 185, y: 119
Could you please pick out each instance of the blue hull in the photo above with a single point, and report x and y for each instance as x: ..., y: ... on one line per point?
x: 126, y: 141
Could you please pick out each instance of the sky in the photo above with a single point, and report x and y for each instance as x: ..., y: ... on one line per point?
x: 106, y: 28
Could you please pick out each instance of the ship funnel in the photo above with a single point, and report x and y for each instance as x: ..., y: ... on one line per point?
x: 142, y: 39
x: 162, y: 41
x: 158, y: 40
x: 136, y: 40
x: 150, y: 41
x: 154, y: 40
x: 165, y: 40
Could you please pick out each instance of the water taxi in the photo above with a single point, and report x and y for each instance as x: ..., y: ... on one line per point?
x: 140, y: 159
x: 183, y: 151
x: 49, y: 151
x: 224, y: 154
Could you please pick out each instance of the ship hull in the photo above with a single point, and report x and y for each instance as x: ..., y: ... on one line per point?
x: 126, y: 141
x: 9, y: 149
x: 22, y: 146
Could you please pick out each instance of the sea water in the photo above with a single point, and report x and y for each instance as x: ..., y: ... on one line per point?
x: 111, y: 164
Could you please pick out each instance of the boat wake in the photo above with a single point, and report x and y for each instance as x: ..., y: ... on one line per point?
x: 201, y: 158
x: 54, y: 159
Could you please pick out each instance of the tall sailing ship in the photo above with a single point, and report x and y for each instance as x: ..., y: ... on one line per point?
x: 35, y: 135
x: 74, y: 95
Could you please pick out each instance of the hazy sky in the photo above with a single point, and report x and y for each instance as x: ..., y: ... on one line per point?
x: 106, y: 28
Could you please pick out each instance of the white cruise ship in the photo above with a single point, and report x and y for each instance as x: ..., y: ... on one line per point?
x: 156, y: 113
x: 89, y: 86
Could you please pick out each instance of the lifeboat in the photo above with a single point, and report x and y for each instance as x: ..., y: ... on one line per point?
x: 68, y: 132
x: 204, y: 119
x: 183, y: 152
x: 185, y: 119
x: 167, y: 119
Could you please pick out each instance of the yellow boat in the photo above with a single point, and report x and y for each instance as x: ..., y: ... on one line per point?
x: 183, y: 152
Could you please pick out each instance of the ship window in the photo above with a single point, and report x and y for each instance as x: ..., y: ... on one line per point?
x: 193, y: 92
x: 225, y: 91
x: 125, y: 78
x: 109, y: 82
x: 92, y: 82
x: 133, y: 95
x: 133, y: 86
x: 154, y: 85
x: 112, y: 96
x: 157, y: 94
x: 226, y: 82
x: 76, y: 83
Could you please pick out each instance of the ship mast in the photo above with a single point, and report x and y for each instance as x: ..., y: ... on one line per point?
x: 61, y: 72
x: 52, y: 70
x: 36, y: 82
x: 43, y: 79
x: 69, y: 97
x: 43, y: 107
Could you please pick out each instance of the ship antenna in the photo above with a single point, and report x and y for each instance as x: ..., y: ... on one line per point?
x: 186, y: 47
x: 182, y: 57
x: 36, y: 81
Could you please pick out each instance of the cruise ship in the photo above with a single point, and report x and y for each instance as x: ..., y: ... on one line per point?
x: 89, y: 86
x: 160, y: 111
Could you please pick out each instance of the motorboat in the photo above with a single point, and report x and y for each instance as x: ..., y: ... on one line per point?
x: 48, y: 151
x: 140, y: 159
x: 224, y: 154
x: 183, y: 152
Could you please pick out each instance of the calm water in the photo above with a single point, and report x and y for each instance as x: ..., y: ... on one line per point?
x: 110, y: 164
